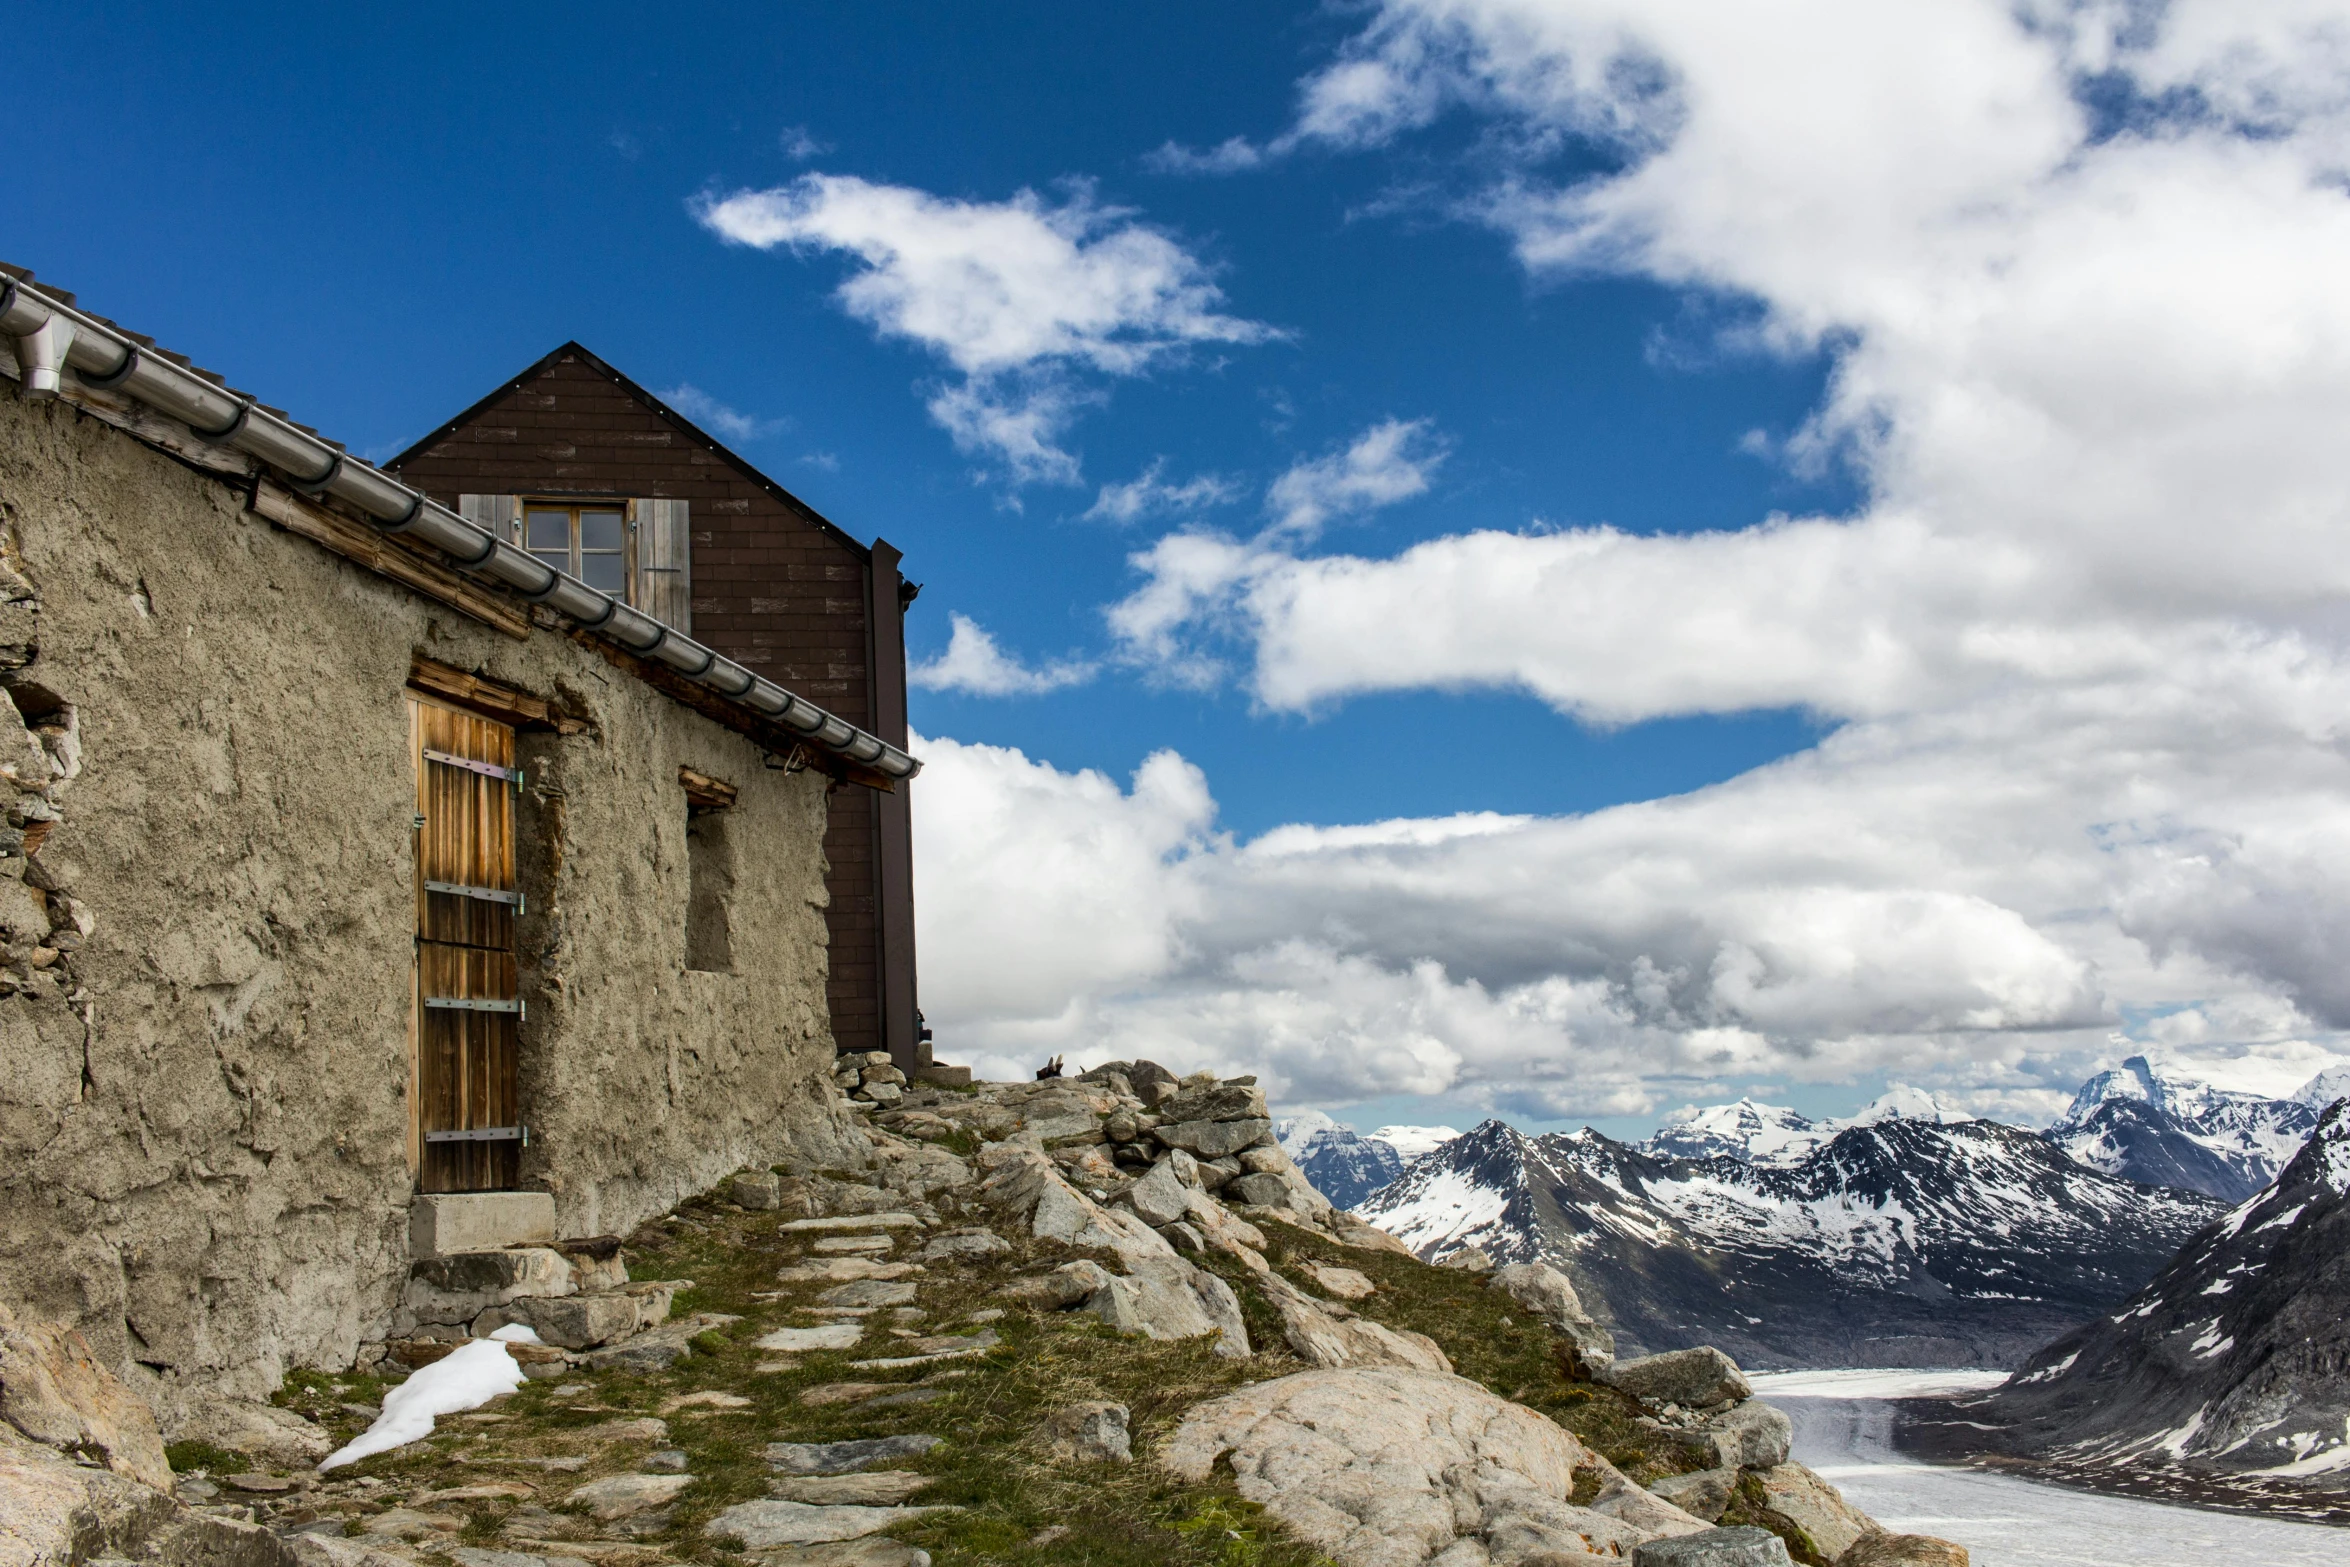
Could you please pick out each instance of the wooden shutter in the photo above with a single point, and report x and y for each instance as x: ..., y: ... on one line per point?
x: 464, y: 1085
x: 664, y: 563
x: 500, y: 515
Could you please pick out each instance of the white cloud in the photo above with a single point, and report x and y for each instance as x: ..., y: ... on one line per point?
x: 1018, y: 296
x: 1389, y: 462
x: 708, y: 411
x: 1233, y: 155
x: 799, y: 144
x: 1148, y: 494
x: 2085, y: 637
x: 975, y: 665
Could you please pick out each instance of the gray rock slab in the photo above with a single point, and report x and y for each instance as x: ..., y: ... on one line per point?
x: 826, y: 1458
x: 854, y: 1245
x: 619, y: 1496
x: 1740, y: 1547
x: 832, y: 1335
x: 852, y: 1221
x: 877, y: 1488
x: 964, y: 1243
x: 868, y: 1294
x: 759, y: 1525
x: 871, y: 1551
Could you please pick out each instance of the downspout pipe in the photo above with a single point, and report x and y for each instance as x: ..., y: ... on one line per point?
x: 52, y: 340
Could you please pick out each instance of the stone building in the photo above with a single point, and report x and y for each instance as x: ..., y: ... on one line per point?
x: 359, y: 870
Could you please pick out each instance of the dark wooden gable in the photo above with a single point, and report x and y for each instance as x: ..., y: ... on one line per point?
x: 776, y: 587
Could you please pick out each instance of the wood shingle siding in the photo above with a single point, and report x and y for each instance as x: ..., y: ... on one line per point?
x: 773, y: 585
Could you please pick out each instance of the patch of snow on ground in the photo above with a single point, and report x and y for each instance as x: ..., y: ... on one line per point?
x: 468, y: 1377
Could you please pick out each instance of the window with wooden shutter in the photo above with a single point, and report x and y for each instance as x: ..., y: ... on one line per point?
x: 664, y: 563
x: 465, y: 1124
x: 495, y: 514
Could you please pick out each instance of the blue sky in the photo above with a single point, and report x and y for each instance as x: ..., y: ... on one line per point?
x: 370, y: 218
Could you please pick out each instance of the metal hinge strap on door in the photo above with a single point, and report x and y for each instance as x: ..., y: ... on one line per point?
x: 458, y: 889
x: 512, y: 775
x: 472, y: 1004
x: 483, y: 1134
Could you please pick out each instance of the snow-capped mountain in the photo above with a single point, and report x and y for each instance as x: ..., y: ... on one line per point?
x: 1902, y: 1243
x: 1777, y: 1136
x: 1346, y: 1165
x: 2236, y: 1359
x: 2144, y: 1122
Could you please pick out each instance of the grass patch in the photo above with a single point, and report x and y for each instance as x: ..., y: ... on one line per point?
x: 189, y: 1457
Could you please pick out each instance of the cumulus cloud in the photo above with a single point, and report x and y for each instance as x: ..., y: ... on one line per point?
x: 1148, y: 494
x: 975, y: 665
x: 704, y: 409
x: 2081, y: 649
x: 1019, y: 297
x: 1389, y: 462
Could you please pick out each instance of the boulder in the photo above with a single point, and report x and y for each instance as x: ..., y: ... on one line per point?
x: 1692, y: 1378
x: 1541, y: 1289
x: 1469, y: 1259
x: 761, y: 1193
x: 1817, y: 1508
x: 963, y: 1243
x: 866, y: 1551
x: 53, y: 1390
x: 1751, y: 1435
x: 868, y: 1295
x: 1740, y: 1547
x: 1164, y: 1195
x: 1324, y: 1334
x: 1213, y: 1139
x: 1345, y: 1283
x: 262, y: 1432
x: 1705, y: 1494
x: 571, y: 1321
x: 1217, y: 1102
x: 1066, y: 1285
x: 1173, y: 1300
x: 54, y: 1511
x: 1903, y: 1550
x: 1388, y: 1467
x: 1092, y: 1433
x: 832, y: 1335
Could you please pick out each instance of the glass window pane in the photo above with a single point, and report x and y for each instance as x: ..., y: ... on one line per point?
x: 599, y: 530
x: 559, y: 559
x: 603, y: 571
x: 549, y: 530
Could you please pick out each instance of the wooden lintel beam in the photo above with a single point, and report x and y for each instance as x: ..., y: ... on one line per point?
x: 357, y: 542
x: 490, y: 698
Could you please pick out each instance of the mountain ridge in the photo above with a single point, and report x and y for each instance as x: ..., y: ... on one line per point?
x: 1903, y: 1243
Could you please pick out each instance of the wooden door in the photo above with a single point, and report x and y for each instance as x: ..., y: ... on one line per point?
x: 464, y: 1109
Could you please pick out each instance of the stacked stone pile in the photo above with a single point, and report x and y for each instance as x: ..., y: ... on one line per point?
x: 868, y: 1078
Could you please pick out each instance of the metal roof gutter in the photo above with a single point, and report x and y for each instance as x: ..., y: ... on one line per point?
x: 52, y: 340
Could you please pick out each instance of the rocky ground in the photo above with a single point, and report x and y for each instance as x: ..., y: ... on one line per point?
x: 1100, y: 1320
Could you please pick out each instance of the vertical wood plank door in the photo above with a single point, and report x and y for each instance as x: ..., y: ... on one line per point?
x: 464, y: 1111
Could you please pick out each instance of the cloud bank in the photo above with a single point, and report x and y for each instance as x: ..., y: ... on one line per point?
x: 2077, y: 269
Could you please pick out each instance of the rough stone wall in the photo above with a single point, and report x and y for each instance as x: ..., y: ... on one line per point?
x: 202, y: 1107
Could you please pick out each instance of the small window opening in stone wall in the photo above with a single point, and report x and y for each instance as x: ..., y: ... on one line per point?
x: 709, y: 857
